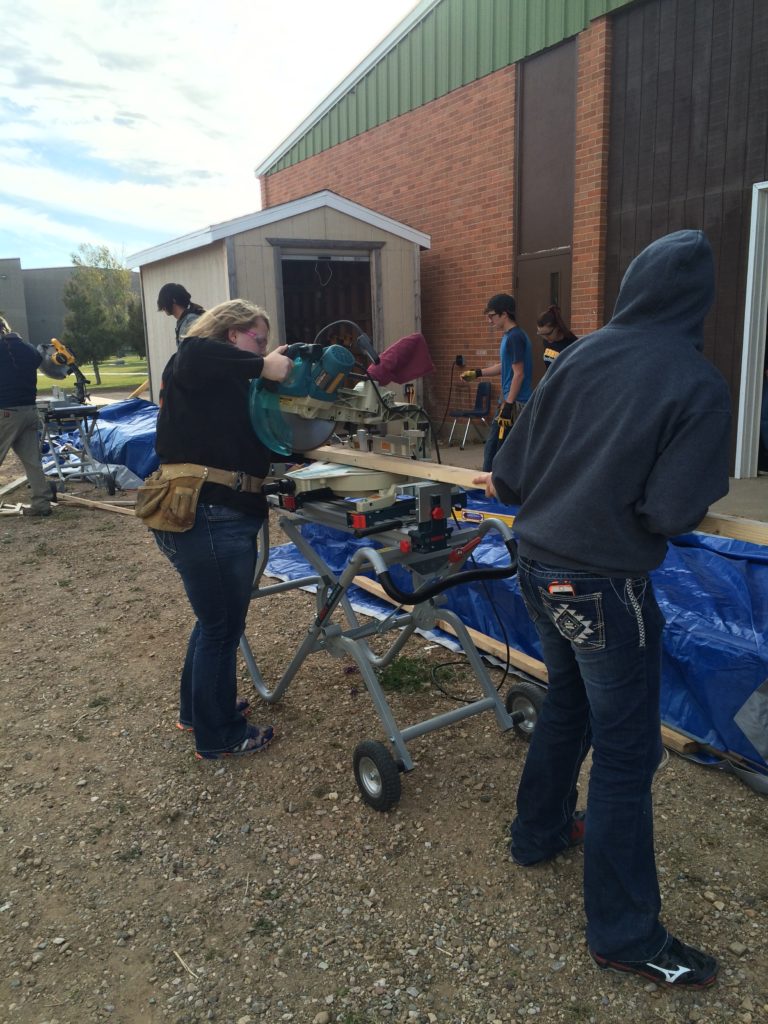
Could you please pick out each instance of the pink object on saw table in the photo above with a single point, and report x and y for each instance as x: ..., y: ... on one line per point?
x: 404, y: 360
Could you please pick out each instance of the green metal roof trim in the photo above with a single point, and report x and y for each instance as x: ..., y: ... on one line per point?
x: 440, y: 46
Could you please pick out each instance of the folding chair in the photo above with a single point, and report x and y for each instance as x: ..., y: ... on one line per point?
x: 481, y: 409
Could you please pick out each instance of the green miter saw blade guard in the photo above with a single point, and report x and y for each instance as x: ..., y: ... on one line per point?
x: 267, y: 420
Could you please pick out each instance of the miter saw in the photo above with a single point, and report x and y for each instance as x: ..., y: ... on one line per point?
x: 327, y: 388
x: 59, y: 362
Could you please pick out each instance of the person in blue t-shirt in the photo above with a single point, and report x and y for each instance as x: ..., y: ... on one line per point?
x: 515, y: 367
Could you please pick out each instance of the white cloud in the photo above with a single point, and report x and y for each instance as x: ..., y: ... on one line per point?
x: 145, y: 121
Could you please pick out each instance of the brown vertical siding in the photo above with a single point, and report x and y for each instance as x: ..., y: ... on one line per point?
x: 688, y: 139
x: 590, y: 207
x: 447, y: 169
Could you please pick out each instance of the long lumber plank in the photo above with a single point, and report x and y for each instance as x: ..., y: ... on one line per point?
x: 105, y: 506
x: 7, y: 488
x: 415, y: 470
x: 750, y: 530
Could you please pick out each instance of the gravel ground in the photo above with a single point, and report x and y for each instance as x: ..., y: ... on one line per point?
x: 139, y: 884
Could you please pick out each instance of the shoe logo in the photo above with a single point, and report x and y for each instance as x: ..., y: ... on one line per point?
x: 670, y: 976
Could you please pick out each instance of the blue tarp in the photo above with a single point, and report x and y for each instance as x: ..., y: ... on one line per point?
x: 714, y: 595
x: 125, y: 435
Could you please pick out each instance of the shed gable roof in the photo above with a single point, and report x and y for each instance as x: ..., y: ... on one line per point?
x: 315, y: 201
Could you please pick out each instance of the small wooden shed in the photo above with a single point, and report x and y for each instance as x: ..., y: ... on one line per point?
x: 309, y: 262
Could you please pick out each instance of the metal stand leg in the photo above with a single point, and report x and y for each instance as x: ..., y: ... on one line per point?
x: 376, y: 772
x: 466, y: 431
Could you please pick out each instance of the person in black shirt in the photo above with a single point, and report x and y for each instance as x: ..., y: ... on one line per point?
x: 555, y: 334
x: 204, y: 423
x: 19, y: 418
x: 174, y: 300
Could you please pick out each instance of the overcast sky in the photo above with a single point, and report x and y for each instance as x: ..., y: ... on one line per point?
x: 128, y: 124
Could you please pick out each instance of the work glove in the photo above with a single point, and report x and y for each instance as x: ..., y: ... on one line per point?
x: 504, y: 419
x: 470, y: 375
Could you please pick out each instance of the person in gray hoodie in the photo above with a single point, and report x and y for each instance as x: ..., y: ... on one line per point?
x: 624, y: 444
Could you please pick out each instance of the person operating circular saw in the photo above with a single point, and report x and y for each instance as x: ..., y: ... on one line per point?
x: 210, y: 508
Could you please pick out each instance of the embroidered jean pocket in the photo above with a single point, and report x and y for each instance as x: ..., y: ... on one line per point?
x: 578, y: 619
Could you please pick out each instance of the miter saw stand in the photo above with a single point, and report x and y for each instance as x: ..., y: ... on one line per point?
x: 414, y: 532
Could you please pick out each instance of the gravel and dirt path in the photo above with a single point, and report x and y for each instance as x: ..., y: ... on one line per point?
x: 139, y: 884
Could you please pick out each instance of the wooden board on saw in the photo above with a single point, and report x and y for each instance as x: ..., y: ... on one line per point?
x: 750, y: 530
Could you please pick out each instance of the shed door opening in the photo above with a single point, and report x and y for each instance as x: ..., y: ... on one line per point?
x: 319, y: 290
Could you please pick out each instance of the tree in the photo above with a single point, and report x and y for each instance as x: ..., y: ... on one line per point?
x: 98, y: 297
x: 134, y: 339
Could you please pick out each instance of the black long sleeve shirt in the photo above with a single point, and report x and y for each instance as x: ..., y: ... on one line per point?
x: 204, y: 417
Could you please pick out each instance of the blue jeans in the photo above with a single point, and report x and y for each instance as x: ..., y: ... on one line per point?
x: 492, y: 442
x: 601, y: 642
x: 216, y: 560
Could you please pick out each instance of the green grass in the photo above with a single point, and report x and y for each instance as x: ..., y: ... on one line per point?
x: 405, y: 675
x: 113, y: 377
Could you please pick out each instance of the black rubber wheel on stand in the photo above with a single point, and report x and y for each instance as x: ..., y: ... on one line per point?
x: 524, y: 701
x: 377, y: 775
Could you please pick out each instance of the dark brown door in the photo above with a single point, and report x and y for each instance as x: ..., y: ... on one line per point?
x: 547, y: 108
x: 317, y: 292
x: 541, y: 282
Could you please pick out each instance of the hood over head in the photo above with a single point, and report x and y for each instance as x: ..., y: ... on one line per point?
x: 671, y: 283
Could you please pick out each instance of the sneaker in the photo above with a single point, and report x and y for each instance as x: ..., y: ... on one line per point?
x: 243, y: 706
x: 575, y: 838
x: 676, y: 964
x: 256, y: 740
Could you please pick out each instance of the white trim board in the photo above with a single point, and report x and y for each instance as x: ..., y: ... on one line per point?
x: 315, y: 201
x: 753, y: 344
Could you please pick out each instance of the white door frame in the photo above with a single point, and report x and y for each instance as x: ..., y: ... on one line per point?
x: 753, y: 344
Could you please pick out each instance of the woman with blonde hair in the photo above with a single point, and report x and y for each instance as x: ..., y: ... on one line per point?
x: 205, y: 439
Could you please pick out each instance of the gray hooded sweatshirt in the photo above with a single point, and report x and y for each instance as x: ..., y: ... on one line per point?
x: 626, y: 440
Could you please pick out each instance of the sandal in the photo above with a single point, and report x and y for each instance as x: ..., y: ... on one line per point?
x: 243, y: 706
x: 256, y: 740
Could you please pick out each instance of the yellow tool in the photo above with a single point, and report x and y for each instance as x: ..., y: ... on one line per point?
x: 62, y: 355
x: 58, y: 362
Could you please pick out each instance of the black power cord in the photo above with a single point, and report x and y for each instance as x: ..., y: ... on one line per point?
x: 454, y: 365
x: 463, y: 661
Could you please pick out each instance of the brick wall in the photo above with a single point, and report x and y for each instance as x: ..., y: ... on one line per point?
x: 447, y: 169
x: 590, y: 200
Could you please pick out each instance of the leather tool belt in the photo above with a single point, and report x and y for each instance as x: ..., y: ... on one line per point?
x: 167, y: 500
